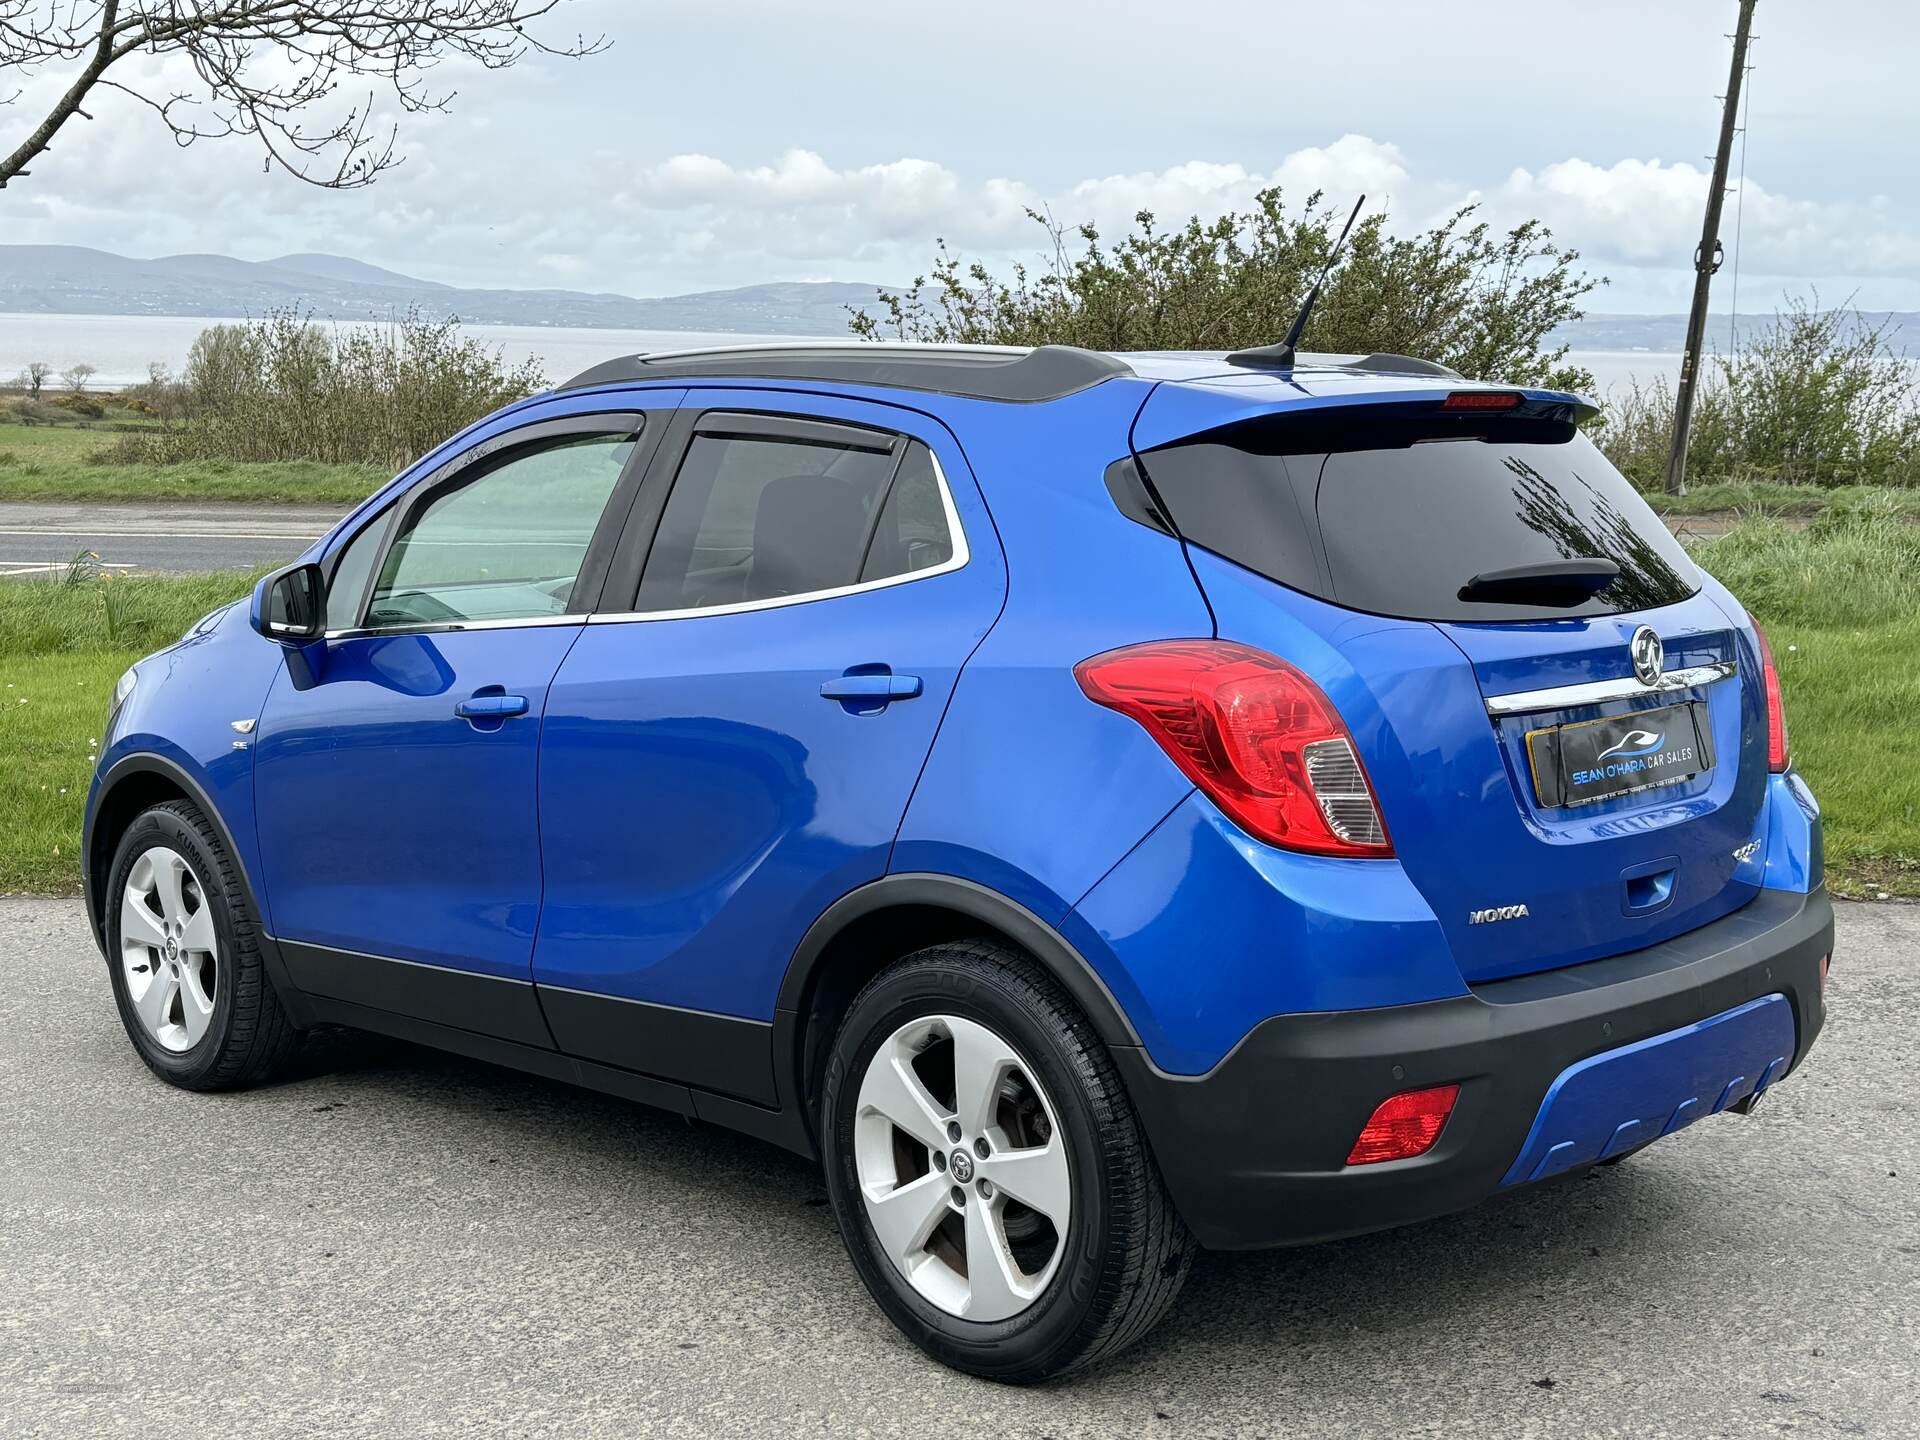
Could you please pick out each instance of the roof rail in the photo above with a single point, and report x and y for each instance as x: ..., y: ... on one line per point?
x: 1047, y: 372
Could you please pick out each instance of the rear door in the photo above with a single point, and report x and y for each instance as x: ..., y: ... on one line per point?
x: 1489, y: 679
x: 730, y: 747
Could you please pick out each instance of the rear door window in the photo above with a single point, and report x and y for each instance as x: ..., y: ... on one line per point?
x: 758, y: 516
x: 1401, y: 530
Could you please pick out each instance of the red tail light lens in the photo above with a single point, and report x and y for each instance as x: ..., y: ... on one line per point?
x: 1776, y: 707
x: 1253, y: 733
x: 1404, y: 1126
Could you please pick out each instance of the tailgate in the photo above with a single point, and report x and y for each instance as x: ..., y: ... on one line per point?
x: 1468, y: 590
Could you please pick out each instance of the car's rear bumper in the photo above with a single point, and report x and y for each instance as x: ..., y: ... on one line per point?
x: 1254, y: 1151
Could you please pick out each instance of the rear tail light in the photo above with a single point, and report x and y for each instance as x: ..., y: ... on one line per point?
x: 1253, y: 733
x: 1776, y: 708
x: 1404, y: 1126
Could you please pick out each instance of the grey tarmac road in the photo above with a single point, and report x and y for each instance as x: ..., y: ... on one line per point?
x: 400, y: 1243
x: 158, y: 536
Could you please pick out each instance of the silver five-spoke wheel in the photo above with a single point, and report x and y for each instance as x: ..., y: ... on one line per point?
x: 168, y: 948
x: 962, y: 1167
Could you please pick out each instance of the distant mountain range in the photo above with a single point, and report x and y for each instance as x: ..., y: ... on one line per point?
x: 75, y: 280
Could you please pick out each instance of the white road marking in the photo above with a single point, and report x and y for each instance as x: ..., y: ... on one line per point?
x: 11, y: 569
x: 165, y: 534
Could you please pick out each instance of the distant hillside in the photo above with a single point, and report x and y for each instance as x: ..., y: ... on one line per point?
x: 1665, y: 334
x: 70, y: 279
x: 74, y: 280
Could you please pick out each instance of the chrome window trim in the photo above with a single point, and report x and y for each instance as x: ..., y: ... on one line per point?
x: 962, y: 553
x: 1595, y: 692
x: 442, y: 627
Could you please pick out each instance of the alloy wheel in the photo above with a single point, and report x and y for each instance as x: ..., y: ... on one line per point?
x: 168, y: 950
x: 962, y: 1167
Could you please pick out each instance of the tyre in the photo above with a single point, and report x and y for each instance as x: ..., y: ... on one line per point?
x: 183, y: 950
x: 988, y: 1173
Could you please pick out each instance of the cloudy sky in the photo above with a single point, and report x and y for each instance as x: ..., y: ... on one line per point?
x: 736, y: 141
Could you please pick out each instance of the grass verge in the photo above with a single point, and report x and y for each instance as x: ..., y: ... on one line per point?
x: 1800, y: 502
x: 51, y: 710
x: 1841, y: 604
x: 289, y: 482
x: 56, y: 462
x: 1840, y: 600
x: 61, y: 648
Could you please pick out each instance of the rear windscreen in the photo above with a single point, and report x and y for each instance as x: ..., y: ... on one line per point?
x: 1403, y: 530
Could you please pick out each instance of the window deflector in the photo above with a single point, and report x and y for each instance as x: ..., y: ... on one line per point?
x: 481, y: 460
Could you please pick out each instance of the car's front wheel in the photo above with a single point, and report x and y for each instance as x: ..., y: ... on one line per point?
x: 987, y: 1170
x: 184, y: 954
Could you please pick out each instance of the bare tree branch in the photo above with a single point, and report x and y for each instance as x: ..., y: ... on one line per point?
x: 269, y: 69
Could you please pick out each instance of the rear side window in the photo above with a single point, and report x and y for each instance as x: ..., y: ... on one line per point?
x: 1401, y: 530
x: 912, y: 533
x: 763, y: 517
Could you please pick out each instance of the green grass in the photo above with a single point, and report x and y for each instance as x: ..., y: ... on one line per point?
x: 288, y: 482
x: 61, y: 648
x: 1840, y: 600
x: 51, y: 444
x: 51, y: 707
x: 1841, y: 604
x: 1789, y: 501
x: 63, y: 462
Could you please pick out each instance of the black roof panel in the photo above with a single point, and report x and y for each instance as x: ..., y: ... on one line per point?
x: 1047, y: 372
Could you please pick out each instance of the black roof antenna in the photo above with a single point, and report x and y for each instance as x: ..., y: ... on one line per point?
x: 1281, y: 356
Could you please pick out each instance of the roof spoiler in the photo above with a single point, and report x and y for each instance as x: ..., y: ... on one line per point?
x: 1384, y: 362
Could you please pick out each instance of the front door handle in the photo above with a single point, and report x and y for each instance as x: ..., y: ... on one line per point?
x: 882, y: 686
x: 491, y: 707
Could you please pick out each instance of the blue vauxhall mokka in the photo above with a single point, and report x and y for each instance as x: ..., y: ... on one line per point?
x: 1098, y: 805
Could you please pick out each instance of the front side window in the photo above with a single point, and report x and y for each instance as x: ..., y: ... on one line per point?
x: 762, y: 517
x: 505, y: 545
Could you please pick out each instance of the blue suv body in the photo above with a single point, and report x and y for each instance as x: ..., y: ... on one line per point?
x: 1364, y: 800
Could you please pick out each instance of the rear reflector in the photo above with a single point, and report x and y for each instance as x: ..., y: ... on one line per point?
x: 1404, y: 1125
x: 1776, y: 706
x: 1826, y: 963
x: 1482, y: 400
x: 1254, y: 734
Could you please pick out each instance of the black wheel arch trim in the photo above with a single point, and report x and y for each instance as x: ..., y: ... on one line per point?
x: 147, y: 762
x: 968, y: 898
x: 977, y: 902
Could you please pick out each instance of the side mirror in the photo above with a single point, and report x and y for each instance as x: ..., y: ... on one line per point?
x: 290, y: 605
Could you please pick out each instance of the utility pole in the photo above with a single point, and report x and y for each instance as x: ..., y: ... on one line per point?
x: 1706, y: 260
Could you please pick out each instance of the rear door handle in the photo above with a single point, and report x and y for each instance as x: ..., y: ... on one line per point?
x: 872, y: 687
x: 491, y: 707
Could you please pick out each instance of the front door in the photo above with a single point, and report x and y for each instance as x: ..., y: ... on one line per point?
x: 396, y: 761
x: 733, y: 750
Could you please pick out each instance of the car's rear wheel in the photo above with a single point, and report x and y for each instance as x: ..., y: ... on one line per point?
x: 988, y: 1173
x: 183, y: 951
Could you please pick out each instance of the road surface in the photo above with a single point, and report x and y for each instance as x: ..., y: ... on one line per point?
x: 401, y: 1243
x: 158, y: 536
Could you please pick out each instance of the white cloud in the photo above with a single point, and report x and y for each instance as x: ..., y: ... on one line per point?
x: 1648, y: 213
x: 468, y: 208
x: 801, y: 211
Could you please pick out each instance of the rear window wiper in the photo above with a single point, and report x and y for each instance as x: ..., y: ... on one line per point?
x: 1546, y: 582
